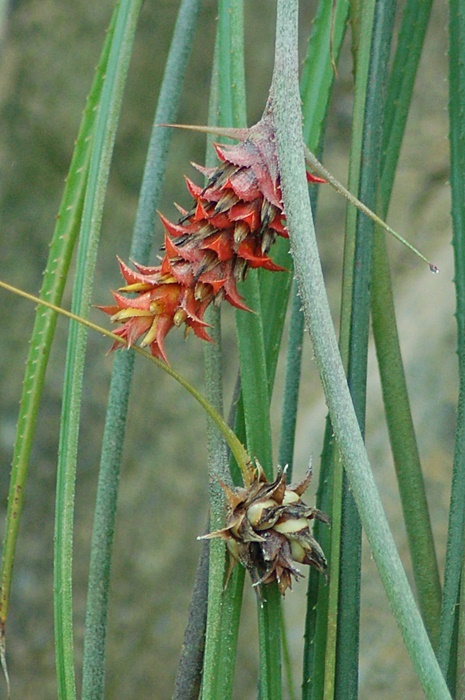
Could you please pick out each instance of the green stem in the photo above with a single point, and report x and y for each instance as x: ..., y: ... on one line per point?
x: 460, y: 653
x: 403, y: 442
x: 455, y: 537
x: 250, y: 334
x: 105, y: 130
x: 291, y: 384
x: 322, y: 599
x: 286, y: 105
x: 227, y: 106
x: 234, y: 444
x: 256, y: 401
x: 375, y: 58
x: 395, y: 395
x: 114, y: 432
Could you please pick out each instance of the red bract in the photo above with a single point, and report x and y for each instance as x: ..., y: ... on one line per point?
x: 232, y: 225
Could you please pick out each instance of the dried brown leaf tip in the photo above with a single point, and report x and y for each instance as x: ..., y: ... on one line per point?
x: 268, y: 528
x: 234, y: 221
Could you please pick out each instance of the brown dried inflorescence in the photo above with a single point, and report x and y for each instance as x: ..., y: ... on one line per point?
x: 232, y: 225
x: 268, y: 529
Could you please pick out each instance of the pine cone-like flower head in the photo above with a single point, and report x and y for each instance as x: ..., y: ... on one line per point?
x: 234, y: 221
x: 268, y: 529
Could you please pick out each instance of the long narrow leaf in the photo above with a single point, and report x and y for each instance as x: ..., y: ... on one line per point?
x: 114, y: 433
x: 395, y: 396
x: 256, y: 403
x: 361, y: 17
x: 118, y: 62
x: 316, y: 87
x: 455, y: 538
x: 227, y: 107
x: 218, y: 667
x: 55, y: 275
x: 376, y: 61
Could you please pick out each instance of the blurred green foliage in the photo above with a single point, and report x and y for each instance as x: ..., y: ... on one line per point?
x: 47, y: 62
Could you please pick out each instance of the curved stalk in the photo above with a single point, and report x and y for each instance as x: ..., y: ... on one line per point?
x: 234, y: 444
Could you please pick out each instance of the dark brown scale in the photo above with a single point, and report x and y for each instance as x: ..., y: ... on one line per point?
x: 241, y: 232
x: 268, y: 240
x: 199, y: 235
x: 240, y: 270
x: 220, y: 176
x: 186, y: 217
x: 267, y: 214
x: 226, y: 202
x: 208, y: 263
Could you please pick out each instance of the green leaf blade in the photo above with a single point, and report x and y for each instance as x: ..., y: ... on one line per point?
x: 118, y: 62
x: 394, y: 387
x: 55, y: 275
x: 455, y: 537
x: 115, y: 422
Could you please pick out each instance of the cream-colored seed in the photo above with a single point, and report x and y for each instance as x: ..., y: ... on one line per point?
x: 290, y: 497
x: 256, y: 510
x: 298, y: 552
x: 287, y: 527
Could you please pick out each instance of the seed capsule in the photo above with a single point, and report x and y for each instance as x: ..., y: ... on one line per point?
x: 268, y: 528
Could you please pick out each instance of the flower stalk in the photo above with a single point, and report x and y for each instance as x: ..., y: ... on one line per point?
x: 287, y: 114
x: 236, y: 447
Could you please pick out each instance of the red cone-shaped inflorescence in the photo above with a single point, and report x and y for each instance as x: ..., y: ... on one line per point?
x: 234, y: 221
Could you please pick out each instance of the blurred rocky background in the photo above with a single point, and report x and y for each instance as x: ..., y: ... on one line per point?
x: 47, y: 62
